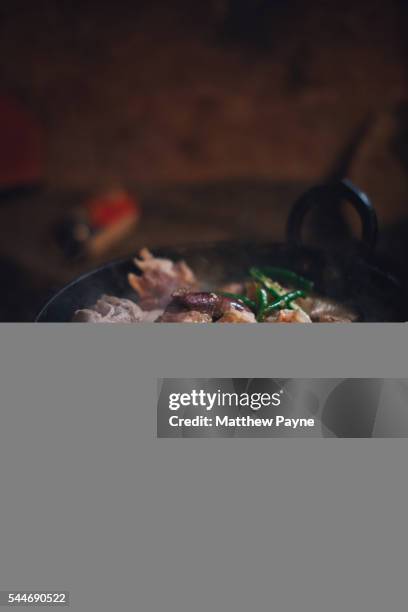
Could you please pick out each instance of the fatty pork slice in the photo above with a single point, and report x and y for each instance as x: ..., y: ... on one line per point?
x: 110, y: 309
x: 159, y: 279
x: 189, y: 316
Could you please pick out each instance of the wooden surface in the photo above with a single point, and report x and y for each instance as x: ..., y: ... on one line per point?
x: 148, y: 91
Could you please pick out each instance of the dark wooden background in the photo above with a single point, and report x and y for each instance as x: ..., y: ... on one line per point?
x: 215, y: 114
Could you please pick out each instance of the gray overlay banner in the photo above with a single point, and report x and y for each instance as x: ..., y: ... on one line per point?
x: 92, y: 502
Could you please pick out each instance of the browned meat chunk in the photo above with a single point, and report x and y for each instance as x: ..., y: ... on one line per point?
x: 159, y: 279
x: 209, y: 303
x: 288, y: 316
x: 237, y: 316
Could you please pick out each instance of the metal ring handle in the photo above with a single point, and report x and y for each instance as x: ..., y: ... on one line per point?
x: 329, y: 194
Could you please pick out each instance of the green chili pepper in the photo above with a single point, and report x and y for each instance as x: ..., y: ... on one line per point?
x: 240, y: 298
x: 273, y: 288
x: 288, y: 276
x: 262, y: 299
x: 283, y: 301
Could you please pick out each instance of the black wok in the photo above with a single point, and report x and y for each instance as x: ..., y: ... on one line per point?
x: 349, y: 275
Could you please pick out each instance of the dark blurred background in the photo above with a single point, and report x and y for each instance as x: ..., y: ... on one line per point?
x: 212, y: 117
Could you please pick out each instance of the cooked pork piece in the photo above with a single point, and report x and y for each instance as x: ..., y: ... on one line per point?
x: 288, y: 316
x: 189, y: 316
x: 325, y: 310
x: 110, y: 309
x: 237, y: 316
x: 159, y: 279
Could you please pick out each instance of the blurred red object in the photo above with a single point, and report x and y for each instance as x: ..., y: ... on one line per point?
x: 98, y: 224
x: 107, y: 209
x: 21, y: 145
x: 111, y: 217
